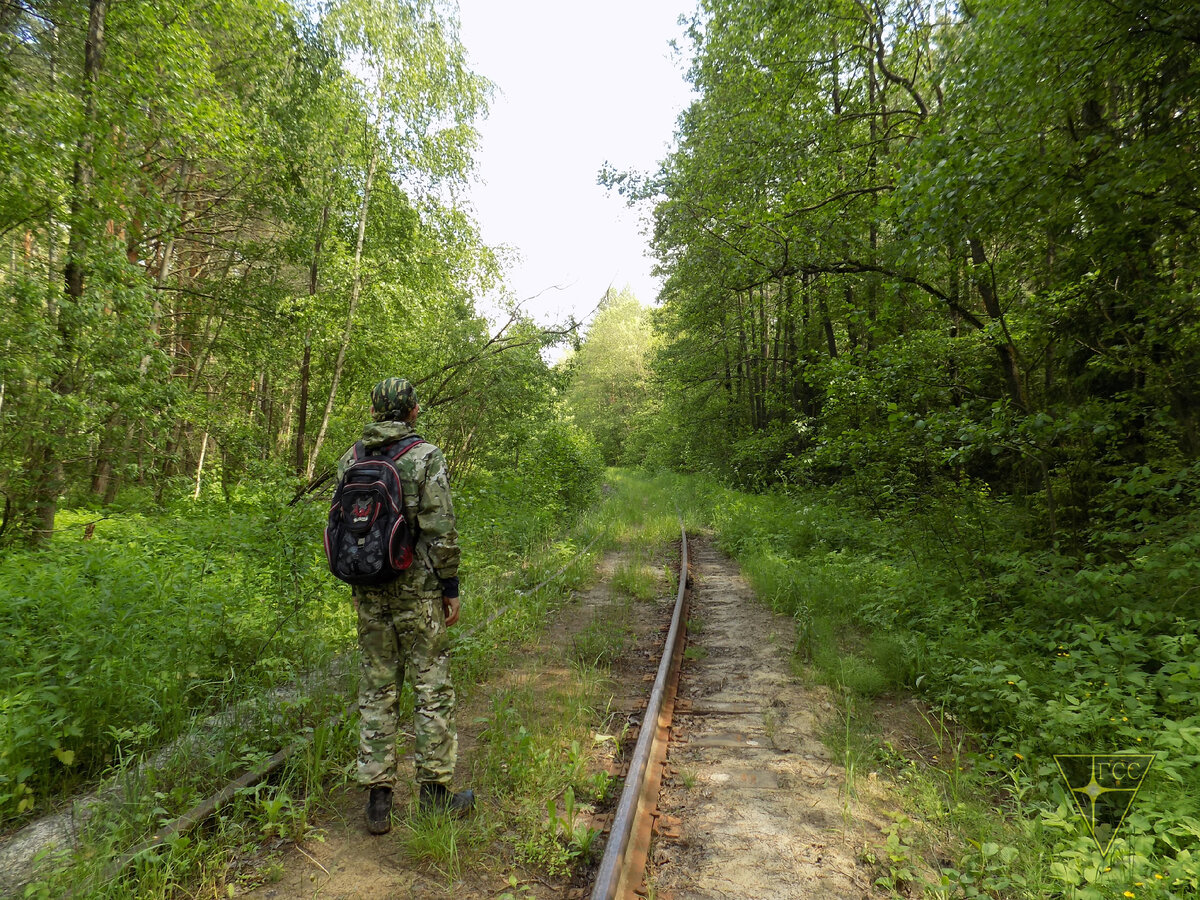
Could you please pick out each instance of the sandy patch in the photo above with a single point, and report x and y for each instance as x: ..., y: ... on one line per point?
x: 756, y: 805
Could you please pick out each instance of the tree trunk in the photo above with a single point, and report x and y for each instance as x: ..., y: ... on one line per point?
x: 791, y: 352
x: 776, y: 339
x: 763, y: 352
x: 7, y: 348
x: 306, y: 362
x: 302, y: 412
x: 102, y: 475
x: 1005, y: 349
x: 742, y: 368
x: 200, y: 465
x: 728, y: 372
x: 826, y: 322
x: 46, y: 468
x: 84, y: 175
x: 48, y: 480
x: 354, y: 292
x: 873, y: 231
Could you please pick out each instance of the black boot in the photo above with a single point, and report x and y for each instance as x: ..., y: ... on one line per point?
x: 379, y: 810
x: 438, y: 798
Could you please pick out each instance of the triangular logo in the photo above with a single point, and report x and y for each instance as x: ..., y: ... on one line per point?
x: 1103, y: 786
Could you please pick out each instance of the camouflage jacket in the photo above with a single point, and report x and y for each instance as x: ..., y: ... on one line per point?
x: 428, y: 506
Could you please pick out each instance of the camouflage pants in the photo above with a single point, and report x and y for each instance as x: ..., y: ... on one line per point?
x: 399, y: 626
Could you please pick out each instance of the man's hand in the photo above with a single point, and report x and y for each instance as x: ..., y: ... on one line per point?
x: 450, y: 608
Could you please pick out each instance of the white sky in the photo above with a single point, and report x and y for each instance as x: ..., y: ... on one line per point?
x: 578, y: 84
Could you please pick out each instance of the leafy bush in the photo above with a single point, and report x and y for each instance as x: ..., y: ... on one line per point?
x: 110, y: 646
x: 562, y: 465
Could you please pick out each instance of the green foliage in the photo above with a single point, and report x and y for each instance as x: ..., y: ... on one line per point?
x: 609, y: 393
x: 201, y: 171
x: 303, y: 702
x: 897, y: 258
x: 897, y: 859
x: 504, y: 513
x: 530, y: 748
x: 603, y: 639
x: 637, y: 579
x: 562, y: 465
x: 440, y: 840
x: 111, y: 645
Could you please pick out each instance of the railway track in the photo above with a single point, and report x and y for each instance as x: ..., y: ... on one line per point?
x: 730, y: 790
x: 740, y: 726
x: 623, y: 865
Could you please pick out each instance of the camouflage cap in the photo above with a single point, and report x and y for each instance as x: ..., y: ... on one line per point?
x: 393, y: 398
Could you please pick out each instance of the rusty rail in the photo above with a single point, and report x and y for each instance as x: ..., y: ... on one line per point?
x: 624, y: 861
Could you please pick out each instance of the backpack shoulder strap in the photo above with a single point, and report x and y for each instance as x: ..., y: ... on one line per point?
x: 405, y: 445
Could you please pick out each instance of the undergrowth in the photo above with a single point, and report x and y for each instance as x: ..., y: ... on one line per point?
x: 124, y: 643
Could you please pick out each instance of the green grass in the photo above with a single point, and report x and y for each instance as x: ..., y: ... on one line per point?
x: 441, y: 841
x: 537, y: 753
x: 634, y: 578
x: 640, y: 511
x: 540, y: 745
x: 604, y: 639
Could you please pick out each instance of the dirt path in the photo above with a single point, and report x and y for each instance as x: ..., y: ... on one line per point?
x: 756, y: 805
x: 342, y: 862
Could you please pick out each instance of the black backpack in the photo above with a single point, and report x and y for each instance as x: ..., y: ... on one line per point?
x: 367, y: 539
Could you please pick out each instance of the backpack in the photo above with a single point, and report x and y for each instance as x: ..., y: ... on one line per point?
x: 367, y: 539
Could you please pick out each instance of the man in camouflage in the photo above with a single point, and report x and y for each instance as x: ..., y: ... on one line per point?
x: 405, y: 622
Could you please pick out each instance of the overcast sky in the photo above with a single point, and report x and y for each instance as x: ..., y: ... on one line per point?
x: 578, y: 84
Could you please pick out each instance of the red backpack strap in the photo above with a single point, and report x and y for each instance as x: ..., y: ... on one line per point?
x: 406, y: 445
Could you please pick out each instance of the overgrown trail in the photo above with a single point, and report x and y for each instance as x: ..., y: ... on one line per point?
x: 544, y: 681
x: 754, y: 804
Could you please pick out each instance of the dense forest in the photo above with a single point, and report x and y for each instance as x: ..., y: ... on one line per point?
x: 926, y: 360
x: 945, y: 244
x: 216, y: 220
